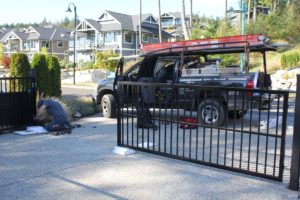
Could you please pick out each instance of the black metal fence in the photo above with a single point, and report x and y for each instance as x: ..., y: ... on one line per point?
x: 238, y: 129
x: 17, y: 102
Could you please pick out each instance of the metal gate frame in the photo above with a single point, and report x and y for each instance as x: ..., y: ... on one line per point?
x: 127, y: 120
x: 17, y: 102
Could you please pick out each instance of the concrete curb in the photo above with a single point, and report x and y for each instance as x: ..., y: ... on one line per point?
x: 79, y: 87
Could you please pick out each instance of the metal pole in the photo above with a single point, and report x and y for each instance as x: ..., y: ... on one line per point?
x: 140, y: 25
x: 243, y: 33
x: 225, y: 17
x: 295, y: 165
x: 74, y: 59
x: 191, y: 13
x: 159, y: 22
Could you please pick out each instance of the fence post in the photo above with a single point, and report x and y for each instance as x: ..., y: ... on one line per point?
x: 295, y: 165
x: 119, y: 86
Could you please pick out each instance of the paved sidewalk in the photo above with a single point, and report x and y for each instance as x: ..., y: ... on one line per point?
x: 82, y: 166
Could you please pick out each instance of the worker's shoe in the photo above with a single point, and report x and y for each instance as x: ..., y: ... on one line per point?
x: 147, y: 124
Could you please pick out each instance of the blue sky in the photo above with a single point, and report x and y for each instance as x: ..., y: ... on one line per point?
x: 14, y: 11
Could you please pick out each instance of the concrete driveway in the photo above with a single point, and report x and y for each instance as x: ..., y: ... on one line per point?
x: 82, y: 166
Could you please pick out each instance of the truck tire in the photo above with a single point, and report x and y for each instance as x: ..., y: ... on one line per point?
x: 211, y: 112
x: 108, y: 104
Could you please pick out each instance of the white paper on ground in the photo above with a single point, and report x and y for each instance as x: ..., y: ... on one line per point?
x: 32, y: 130
x: 123, y: 151
x: 272, y: 122
x: 26, y: 132
x: 146, y: 145
x: 38, y: 129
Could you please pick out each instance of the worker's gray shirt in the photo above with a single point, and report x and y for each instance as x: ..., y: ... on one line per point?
x: 55, y: 110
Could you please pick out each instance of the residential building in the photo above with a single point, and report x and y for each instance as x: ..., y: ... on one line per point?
x: 33, y: 39
x: 114, y: 31
x: 171, y: 22
x: 235, y: 17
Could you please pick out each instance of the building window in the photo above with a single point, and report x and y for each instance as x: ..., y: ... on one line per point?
x: 111, y: 37
x: 155, y: 36
x: 60, y: 44
x: 145, y: 38
x: 45, y: 44
x: 128, y: 37
x: 178, y: 22
x: 31, y: 44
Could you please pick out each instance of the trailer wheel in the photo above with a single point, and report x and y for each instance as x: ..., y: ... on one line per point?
x: 108, y: 104
x: 211, y: 112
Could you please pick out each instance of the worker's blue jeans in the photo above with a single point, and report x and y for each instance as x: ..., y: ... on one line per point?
x: 57, y: 125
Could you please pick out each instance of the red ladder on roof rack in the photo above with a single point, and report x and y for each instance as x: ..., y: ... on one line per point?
x: 211, y: 43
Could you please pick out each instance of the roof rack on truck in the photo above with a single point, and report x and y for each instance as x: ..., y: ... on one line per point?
x: 230, y: 44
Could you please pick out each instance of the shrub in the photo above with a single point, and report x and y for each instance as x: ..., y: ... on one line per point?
x: 69, y: 65
x: 283, y: 61
x: 54, y: 76
x: 84, y: 105
x: 290, y: 59
x: 44, y: 51
x: 1, y: 53
x: 87, y: 65
x: 103, y: 62
x: 19, y: 65
x: 39, y: 63
x: 6, y: 61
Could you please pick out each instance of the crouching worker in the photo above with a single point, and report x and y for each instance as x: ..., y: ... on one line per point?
x: 59, y: 123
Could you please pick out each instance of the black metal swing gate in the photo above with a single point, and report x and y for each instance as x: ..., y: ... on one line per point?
x: 17, y: 102
x: 251, y: 139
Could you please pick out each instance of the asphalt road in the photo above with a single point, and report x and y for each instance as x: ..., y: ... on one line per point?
x: 83, y: 166
x: 74, y: 91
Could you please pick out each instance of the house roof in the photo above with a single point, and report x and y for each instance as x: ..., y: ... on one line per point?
x: 129, y: 22
x: 21, y: 35
x: 50, y: 33
x: 4, y: 34
x: 136, y: 20
x: 103, y: 27
x: 176, y: 14
x: 125, y: 22
x: 40, y: 33
x: 96, y: 25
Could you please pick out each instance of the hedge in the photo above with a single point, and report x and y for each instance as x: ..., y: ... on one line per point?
x: 19, y: 65
x: 39, y: 63
x: 54, y: 76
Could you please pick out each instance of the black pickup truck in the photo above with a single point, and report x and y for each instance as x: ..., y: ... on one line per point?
x: 196, y: 67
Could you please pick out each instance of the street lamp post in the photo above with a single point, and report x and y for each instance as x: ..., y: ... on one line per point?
x: 74, y: 56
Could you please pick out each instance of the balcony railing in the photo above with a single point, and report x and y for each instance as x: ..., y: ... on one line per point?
x: 11, y: 49
x: 82, y: 44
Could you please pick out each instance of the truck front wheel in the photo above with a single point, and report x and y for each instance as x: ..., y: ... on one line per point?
x: 108, y: 104
x: 211, y: 112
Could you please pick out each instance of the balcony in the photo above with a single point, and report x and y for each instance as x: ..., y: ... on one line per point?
x: 11, y: 48
x: 82, y: 44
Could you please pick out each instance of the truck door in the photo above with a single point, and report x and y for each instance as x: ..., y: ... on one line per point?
x: 164, y: 73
